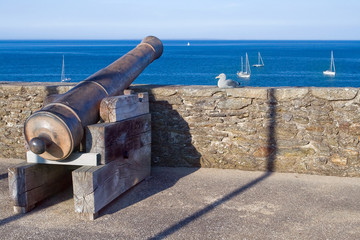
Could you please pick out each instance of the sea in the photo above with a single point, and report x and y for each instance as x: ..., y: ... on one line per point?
x: 286, y: 63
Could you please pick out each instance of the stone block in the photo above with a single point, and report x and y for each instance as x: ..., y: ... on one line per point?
x: 338, y: 160
x: 200, y: 91
x: 248, y: 92
x: 295, y: 152
x: 234, y: 103
x: 164, y: 91
x: 264, y: 151
x: 354, y: 129
x: 286, y: 94
x: 335, y: 94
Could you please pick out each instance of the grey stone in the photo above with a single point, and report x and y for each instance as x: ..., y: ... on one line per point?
x: 164, y: 91
x: 335, y: 94
x: 233, y: 103
x: 286, y: 94
x: 249, y: 92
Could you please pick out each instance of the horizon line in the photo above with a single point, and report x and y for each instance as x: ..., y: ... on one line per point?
x: 167, y: 39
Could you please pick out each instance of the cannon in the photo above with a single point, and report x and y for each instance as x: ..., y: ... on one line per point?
x: 58, y: 128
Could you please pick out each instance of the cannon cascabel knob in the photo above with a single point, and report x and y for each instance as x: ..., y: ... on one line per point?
x: 37, y: 145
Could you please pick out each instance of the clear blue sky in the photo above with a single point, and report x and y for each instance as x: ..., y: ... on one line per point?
x: 185, y: 19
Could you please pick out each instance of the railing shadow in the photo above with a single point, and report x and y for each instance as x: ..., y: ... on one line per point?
x: 10, y: 219
x: 271, y: 144
x: 271, y: 141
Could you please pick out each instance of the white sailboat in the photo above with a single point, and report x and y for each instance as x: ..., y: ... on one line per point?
x: 331, y: 71
x: 247, y: 72
x: 260, y: 61
x: 63, y: 78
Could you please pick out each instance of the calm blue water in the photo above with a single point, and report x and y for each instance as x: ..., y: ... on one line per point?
x: 287, y: 63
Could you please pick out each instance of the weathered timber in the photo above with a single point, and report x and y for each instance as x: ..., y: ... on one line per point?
x: 112, y: 140
x: 75, y: 159
x: 114, y: 109
x: 95, y: 187
x: 32, y: 183
x: 128, y: 91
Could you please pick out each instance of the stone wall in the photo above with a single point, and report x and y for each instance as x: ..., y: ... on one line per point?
x: 17, y: 102
x: 304, y: 130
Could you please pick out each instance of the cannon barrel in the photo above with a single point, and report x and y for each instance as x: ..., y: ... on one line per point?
x: 54, y: 131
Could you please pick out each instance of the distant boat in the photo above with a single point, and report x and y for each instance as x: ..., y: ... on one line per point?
x: 247, y: 72
x: 331, y: 71
x: 188, y: 43
x: 260, y: 61
x: 63, y: 78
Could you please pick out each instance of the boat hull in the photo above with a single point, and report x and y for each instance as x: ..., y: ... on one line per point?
x: 66, y: 80
x: 243, y: 75
x: 329, y: 73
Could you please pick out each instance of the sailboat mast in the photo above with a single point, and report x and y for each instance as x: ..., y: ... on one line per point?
x: 259, y: 58
x: 242, y: 64
x: 247, y: 64
x: 63, y: 70
x: 331, y: 62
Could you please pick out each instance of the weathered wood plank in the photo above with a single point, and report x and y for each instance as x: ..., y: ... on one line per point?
x: 128, y: 92
x: 95, y: 187
x: 113, y: 139
x: 32, y: 183
x: 75, y: 159
x: 117, y: 108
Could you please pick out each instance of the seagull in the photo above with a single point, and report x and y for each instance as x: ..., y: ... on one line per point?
x: 226, y: 83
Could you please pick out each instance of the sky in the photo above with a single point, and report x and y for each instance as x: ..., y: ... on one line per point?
x: 185, y: 19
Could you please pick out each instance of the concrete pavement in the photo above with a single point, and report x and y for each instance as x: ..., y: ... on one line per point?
x: 186, y: 203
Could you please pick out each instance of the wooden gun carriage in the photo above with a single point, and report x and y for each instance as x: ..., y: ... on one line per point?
x: 113, y: 154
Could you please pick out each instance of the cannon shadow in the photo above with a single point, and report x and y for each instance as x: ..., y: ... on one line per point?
x: 167, y: 126
x: 160, y: 182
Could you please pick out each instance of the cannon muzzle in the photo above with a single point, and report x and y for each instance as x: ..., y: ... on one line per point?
x: 55, y: 130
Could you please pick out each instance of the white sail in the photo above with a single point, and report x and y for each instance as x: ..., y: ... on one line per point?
x: 260, y: 61
x: 331, y: 71
x: 247, y: 72
x: 63, y: 77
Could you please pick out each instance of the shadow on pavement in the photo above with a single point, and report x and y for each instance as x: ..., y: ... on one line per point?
x: 272, y: 148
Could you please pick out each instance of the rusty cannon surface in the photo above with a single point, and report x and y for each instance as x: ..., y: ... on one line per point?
x: 58, y: 128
